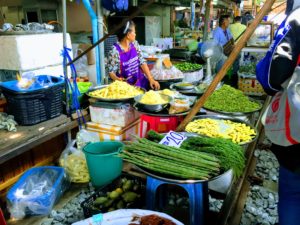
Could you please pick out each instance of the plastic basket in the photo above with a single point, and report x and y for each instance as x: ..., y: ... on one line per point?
x: 87, y: 205
x: 36, y: 104
x: 250, y: 85
x: 43, y: 202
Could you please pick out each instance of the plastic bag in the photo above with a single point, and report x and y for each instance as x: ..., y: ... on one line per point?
x: 81, y: 64
x: 36, y: 191
x: 83, y: 137
x: 74, y: 162
x: 159, y: 72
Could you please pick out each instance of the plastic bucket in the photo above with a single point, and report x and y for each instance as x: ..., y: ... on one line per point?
x: 103, y: 163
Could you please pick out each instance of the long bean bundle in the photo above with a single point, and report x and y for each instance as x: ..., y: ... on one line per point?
x: 172, y: 161
x: 231, y: 155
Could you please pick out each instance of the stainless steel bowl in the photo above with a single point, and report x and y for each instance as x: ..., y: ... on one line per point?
x: 153, y: 107
x: 184, y: 86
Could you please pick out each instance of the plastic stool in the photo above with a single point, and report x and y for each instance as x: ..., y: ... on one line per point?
x: 2, y: 219
x: 198, y: 198
x: 158, y: 124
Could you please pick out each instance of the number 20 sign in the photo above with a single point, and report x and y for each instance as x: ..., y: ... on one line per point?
x: 173, y: 139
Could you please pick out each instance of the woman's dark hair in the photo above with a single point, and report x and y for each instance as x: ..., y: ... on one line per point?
x: 124, y: 30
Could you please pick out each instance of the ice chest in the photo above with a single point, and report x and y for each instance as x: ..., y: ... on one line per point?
x: 114, y: 114
x: 113, y: 133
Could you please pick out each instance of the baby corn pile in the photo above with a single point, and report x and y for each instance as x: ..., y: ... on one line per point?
x: 117, y: 90
x: 234, y: 131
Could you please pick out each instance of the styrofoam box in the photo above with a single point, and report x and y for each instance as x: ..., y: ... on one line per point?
x: 115, y: 117
x: 30, y: 52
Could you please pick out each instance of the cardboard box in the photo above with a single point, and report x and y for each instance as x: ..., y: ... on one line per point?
x: 113, y: 133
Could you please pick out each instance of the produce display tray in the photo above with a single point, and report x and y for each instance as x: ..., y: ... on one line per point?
x: 87, y: 205
x: 163, y: 113
x: 107, y: 99
x: 233, y: 119
x: 236, y: 113
x: 176, y: 180
x: 193, y: 92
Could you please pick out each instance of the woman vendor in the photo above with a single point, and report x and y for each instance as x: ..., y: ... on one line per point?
x: 125, y: 60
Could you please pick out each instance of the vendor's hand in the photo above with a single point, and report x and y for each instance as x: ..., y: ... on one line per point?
x: 154, y: 84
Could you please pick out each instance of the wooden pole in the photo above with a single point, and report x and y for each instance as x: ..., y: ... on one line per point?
x: 237, y: 49
x: 207, y: 19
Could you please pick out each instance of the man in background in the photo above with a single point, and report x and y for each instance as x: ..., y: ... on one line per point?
x: 237, y: 28
x: 247, y: 18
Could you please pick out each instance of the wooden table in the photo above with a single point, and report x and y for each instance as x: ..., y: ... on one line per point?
x: 15, y: 143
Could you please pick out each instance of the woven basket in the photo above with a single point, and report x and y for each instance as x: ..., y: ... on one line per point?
x: 248, y: 84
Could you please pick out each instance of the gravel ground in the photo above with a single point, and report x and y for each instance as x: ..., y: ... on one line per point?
x: 260, y: 207
x: 261, y: 204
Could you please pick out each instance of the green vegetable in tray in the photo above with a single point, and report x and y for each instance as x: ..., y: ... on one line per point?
x: 229, y: 99
x: 114, y: 194
x: 187, y: 67
x: 154, y: 136
x: 172, y: 161
x: 231, y: 155
x: 130, y: 196
x: 127, y: 185
x: 100, y: 200
x: 248, y: 68
x: 128, y: 191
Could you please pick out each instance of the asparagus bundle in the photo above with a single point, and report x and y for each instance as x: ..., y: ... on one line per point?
x: 172, y: 161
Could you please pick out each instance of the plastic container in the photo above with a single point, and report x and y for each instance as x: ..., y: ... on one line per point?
x: 179, y: 105
x: 36, y: 191
x: 87, y: 205
x: 40, y: 102
x: 103, y: 163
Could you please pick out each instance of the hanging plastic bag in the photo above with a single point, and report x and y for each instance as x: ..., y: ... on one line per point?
x: 83, y: 137
x: 74, y: 162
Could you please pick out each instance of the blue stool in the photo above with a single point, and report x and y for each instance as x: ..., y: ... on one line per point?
x: 198, y: 198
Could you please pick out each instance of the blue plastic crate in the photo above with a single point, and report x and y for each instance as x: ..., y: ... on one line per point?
x: 34, y: 204
x: 40, y: 102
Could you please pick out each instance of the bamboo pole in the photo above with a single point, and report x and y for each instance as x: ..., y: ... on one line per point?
x: 237, y: 49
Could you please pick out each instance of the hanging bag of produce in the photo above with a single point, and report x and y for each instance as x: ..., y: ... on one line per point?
x: 281, y: 119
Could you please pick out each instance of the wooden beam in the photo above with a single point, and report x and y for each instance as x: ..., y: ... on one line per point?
x: 232, y: 57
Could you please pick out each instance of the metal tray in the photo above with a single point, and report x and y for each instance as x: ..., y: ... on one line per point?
x: 108, y: 99
x: 162, y: 113
x: 175, y: 180
x: 233, y: 119
x: 177, y: 86
x: 236, y: 113
x: 193, y: 91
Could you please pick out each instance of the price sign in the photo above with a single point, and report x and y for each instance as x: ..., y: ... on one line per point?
x: 173, y: 139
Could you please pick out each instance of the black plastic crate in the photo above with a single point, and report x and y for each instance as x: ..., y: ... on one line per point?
x: 87, y: 205
x: 32, y: 107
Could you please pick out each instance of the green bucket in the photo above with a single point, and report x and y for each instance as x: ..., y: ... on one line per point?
x: 103, y: 163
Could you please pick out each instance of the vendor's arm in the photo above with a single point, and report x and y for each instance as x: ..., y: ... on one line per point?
x: 143, y: 63
x: 286, y: 54
x: 114, y: 64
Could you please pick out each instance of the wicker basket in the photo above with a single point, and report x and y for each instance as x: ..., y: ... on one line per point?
x: 248, y: 84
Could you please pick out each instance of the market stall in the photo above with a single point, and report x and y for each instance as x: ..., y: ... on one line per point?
x: 133, y: 130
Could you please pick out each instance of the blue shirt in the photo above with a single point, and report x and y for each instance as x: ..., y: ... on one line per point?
x: 221, y: 36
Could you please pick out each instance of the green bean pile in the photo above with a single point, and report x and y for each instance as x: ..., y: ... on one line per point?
x: 229, y: 99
